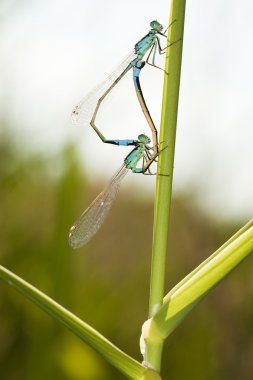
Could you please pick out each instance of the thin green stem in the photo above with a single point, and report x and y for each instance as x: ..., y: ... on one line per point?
x: 165, y: 170
x: 166, y: 158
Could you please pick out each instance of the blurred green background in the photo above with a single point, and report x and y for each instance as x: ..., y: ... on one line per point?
x: 51, y: 54
x: 107, y: 282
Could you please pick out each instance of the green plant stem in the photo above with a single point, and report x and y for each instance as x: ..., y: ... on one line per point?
x: 165, y: 165
x: 124, y: 363
x: 196, y: 285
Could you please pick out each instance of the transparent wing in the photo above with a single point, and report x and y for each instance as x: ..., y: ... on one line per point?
x: 83, y: 111
x: 93, y: 217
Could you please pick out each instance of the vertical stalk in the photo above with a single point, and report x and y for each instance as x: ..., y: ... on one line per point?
x: 165, y: 169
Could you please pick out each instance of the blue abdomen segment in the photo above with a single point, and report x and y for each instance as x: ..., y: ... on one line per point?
x: 122, y: 142
x: 137, y: 68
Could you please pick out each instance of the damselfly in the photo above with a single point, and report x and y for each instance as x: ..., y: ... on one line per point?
x: 86, y: 111
x: 92, y: 218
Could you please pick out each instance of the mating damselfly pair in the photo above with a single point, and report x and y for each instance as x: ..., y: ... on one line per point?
x: 85, y: 113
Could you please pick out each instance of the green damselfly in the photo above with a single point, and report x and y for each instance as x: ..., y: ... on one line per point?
x: 92, y: 218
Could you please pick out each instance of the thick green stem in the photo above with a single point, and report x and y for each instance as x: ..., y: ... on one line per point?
x: 165, y: 165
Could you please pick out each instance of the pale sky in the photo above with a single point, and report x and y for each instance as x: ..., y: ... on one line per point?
x: 53, y: 52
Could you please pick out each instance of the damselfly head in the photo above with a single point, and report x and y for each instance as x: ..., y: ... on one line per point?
x: 144, y: 139
x: 156, y: 25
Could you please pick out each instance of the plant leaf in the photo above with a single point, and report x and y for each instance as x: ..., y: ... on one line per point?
x: 124, y: 363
